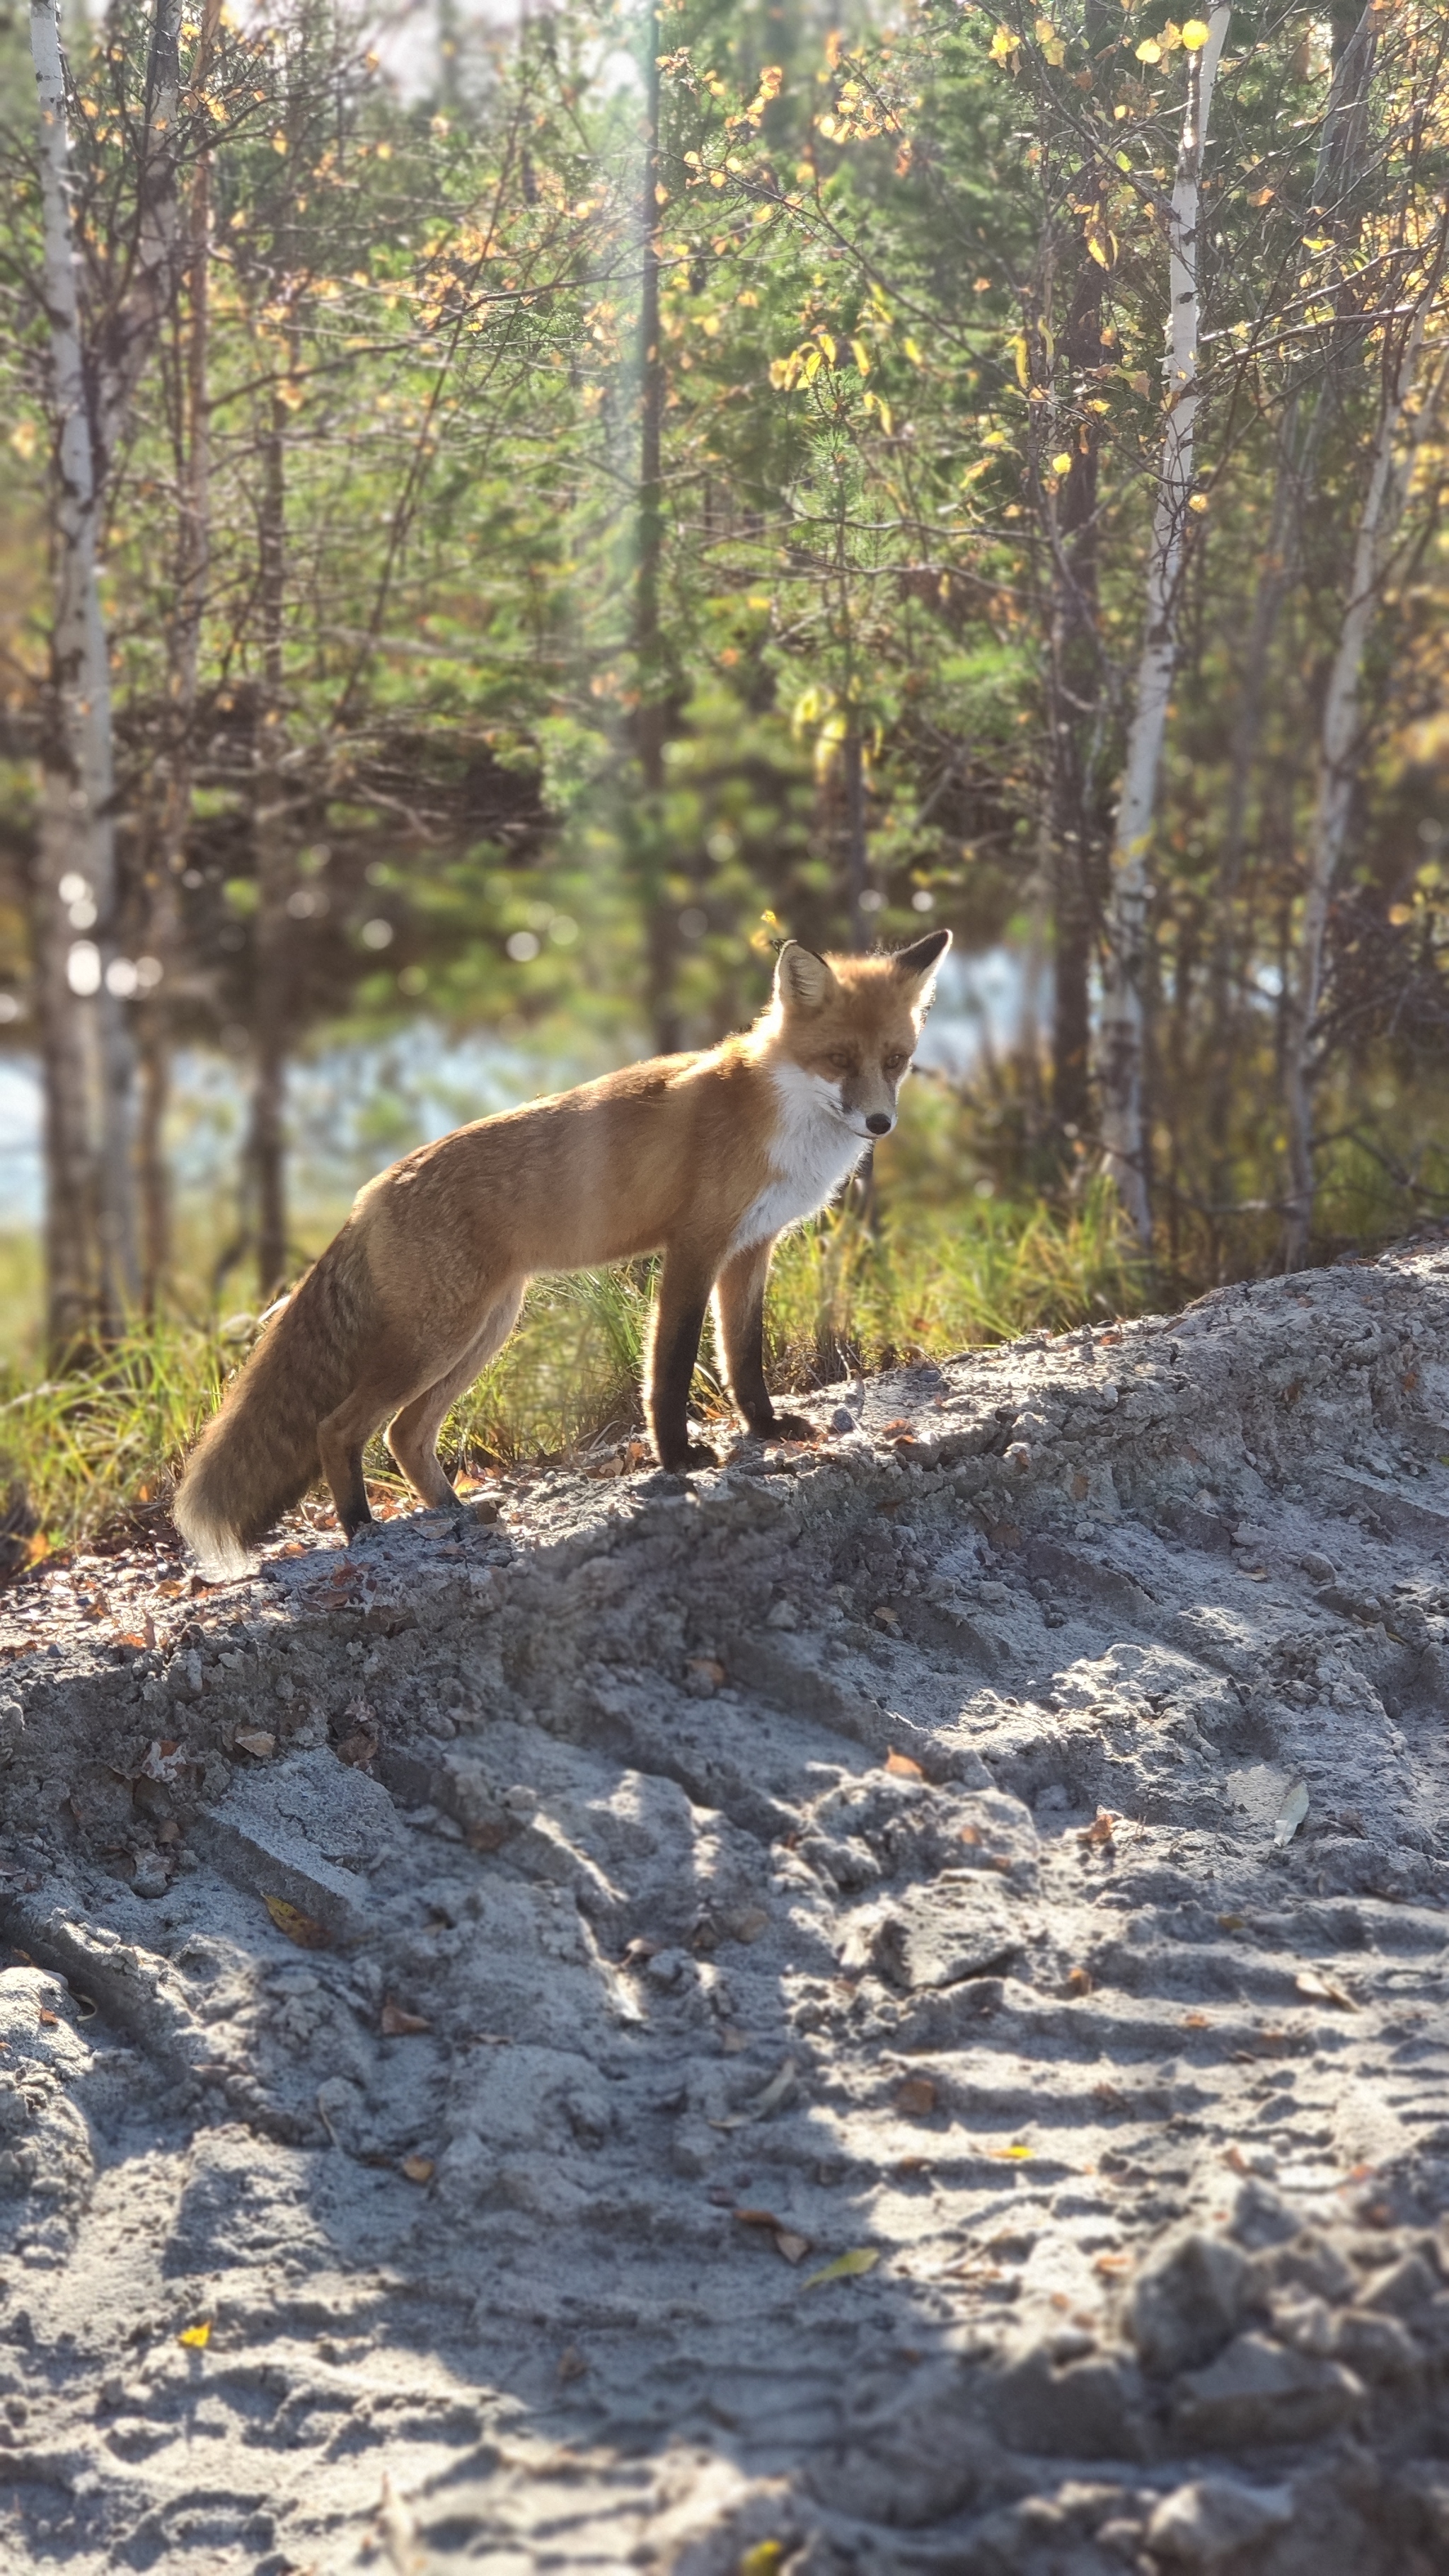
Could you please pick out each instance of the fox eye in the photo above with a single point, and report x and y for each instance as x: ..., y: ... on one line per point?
x: 840, y: 1062
x: 896, y: 1063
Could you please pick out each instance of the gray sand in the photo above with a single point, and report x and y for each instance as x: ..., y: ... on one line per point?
x: 1004, y: 1845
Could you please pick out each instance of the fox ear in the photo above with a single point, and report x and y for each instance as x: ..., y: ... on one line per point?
x: 918, y: 963
x: 803, y: 981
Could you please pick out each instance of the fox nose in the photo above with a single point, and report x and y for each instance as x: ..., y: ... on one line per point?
x: 880, y: 1125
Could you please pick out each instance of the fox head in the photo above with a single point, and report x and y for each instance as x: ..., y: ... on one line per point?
x: 852, y: 1024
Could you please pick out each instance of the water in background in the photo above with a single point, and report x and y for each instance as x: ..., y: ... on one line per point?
x: 353, y: 1109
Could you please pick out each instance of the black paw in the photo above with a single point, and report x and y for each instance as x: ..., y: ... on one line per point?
x: 792, y: 1426
x: 697, y: 1454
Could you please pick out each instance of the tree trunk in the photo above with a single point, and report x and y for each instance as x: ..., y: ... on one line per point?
x: 274, y: 930
x: 1340, y: 152
x: 1074, y: 688
x: 857, y: 848
x: 1390, y: 467
x: 75, y: 877
x: 88, y: 1059
x: 1123, y: 1129
x: 193, y: 558
x: 651, y: 719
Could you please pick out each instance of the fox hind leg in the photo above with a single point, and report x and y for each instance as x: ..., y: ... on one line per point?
x: 412, y: 1434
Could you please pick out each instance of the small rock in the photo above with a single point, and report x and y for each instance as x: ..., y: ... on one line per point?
x: 1256, y: 2392
x: 150, y: 1876
x: 1090, y: 2409
x: 1188, y: 2298
x: 1018, y: 1457
x: 1378, y: 2349
x: 1319, y: 1569
x: 1204, y: 2524
x: 521, y: 1801
x: 1405, y: 2286
x: 782, y: 1615
x: 842, y: 1421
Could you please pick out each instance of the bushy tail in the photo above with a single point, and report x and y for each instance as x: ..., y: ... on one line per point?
x: 258, y: 1454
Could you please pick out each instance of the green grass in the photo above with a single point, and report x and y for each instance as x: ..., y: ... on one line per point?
x: 100, y: 1443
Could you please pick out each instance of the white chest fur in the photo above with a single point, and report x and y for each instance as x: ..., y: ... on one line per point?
x: 811, y: 1152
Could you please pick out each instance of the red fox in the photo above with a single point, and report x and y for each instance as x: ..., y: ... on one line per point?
x: 706, y: 1158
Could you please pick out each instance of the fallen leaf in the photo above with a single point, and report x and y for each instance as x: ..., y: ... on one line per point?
x: 356, y: 1750
x: 1079, y: 1981
x: 197, y: 2336
x: 794, y: 2247
x: 970, y: 1834
x: 780, y: 2083
x: 1235, y: 2160
x: 1015, y: 2154
x: 916, y: 2097
x: 1231, y: 1922
x: 763, y: 2560
x: 1111, y: 2264
x: 1101, y: 1828
x: 846, y: 2267
x: 47, y: 2020
x: 706, y: 1669
x: 1291, y: 1814
x: 417, y: 2168
x: 130, y: 1637
x: 892, y: 1430
x: 571, y: 2363
x: 758, y: 2218
x: 298, y: 1927
x: 639, y: 1951
x: 1196, y: 2021
x: 397, y: 2024
x: 256, y: 1741
x: 1322, y: 1990
x: 901, y: 1763
x: 885, y: 1617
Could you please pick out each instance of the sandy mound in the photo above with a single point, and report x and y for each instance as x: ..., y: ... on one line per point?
x: 883, y: 2011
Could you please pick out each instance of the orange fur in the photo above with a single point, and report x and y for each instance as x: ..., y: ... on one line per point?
x: 706, y: 1158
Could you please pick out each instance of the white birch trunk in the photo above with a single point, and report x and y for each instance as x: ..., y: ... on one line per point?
x: 1390, y: 470
x: 1121, y: 1033
x: 86, y: 1044
x: 76, y: 888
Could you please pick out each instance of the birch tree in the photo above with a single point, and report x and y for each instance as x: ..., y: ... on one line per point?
x: 1123, y: 999
x: 1400, y: 430
x: 82, y: 983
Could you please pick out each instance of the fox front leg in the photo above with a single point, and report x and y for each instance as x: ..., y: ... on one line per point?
x: 679, y: 1312
x: 739, y: 1305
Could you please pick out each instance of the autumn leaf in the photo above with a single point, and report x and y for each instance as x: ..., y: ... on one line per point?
x: 846, y: 2267
x: 1101, y: 1828
x: 901, y: 1763
x: 197, y: 2336
x: 417, y: 2169
x: 1195, y: 34
x: 297, y: 1926
x: 397, y: 2024
x: 1322, y: 1990
x: 1079, y: 1981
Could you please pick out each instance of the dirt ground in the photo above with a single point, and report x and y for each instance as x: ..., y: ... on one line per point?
x: 879, y: 2011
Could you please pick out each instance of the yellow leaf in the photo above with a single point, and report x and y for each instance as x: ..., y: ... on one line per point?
x: 861, y: 355
x: 23, y: 439
x: 298, y: 1927
x: 1003, y: 45
x: 1195, y: 34
x: 197, y: 2336
x: 1198, y: 502
x: 1062, y: 464
x: 1018, y: 350
x: 846, y: 2267
x: 828, y: 345
x: 1149, y: 51
x: 763, y: 2559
